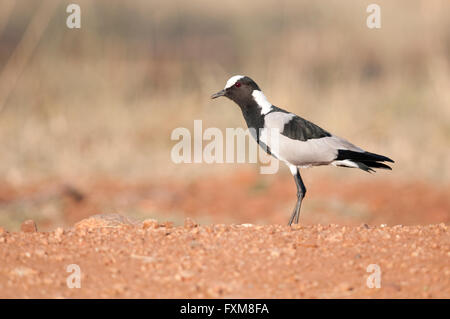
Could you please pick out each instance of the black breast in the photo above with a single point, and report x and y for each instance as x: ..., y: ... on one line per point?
x: 253, y: 118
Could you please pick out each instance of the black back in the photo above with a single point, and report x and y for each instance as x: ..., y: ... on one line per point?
x: 300, y: 129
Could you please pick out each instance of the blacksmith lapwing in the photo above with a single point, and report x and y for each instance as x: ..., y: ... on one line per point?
x: 300, y: 143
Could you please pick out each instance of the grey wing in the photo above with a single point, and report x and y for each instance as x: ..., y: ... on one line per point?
x: 301, y: 142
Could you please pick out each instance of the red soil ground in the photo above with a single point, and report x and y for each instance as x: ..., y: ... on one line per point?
x: 120, y: 257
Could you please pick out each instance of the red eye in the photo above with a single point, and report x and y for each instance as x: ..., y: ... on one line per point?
x: 238, y: 84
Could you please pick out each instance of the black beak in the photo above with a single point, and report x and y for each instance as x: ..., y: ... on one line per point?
x: 218, y: 94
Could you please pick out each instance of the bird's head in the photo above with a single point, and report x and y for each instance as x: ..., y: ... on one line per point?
x: 238, y: 88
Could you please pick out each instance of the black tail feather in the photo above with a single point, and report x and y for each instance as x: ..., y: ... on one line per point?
x: 375, y: 164
x: 365, y: 160
x: 361, y: 156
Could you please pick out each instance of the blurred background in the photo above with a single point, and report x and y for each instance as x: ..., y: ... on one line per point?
x: 86, y: 114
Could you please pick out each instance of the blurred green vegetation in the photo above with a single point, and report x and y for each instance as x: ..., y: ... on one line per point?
x: 103, y: 100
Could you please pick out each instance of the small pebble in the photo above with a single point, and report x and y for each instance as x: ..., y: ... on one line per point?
x: 28, y: 226
x: 150, y: 224
x: 189, y: 223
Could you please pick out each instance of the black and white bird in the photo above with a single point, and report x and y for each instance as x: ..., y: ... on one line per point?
x: 300, y: 143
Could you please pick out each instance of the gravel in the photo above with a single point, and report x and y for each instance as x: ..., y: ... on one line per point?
x: 121, y: 258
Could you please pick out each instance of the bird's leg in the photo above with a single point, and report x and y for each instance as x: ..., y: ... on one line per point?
x: 294, y: 213
x: 301, y: 191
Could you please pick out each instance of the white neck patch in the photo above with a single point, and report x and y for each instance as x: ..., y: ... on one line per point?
x: 262, y: 101
x: 231, y: 81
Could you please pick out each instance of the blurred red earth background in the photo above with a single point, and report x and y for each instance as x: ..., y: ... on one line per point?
x: 243, y: 196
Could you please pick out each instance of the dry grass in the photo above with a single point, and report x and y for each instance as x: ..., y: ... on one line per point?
x: 103, y: 100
